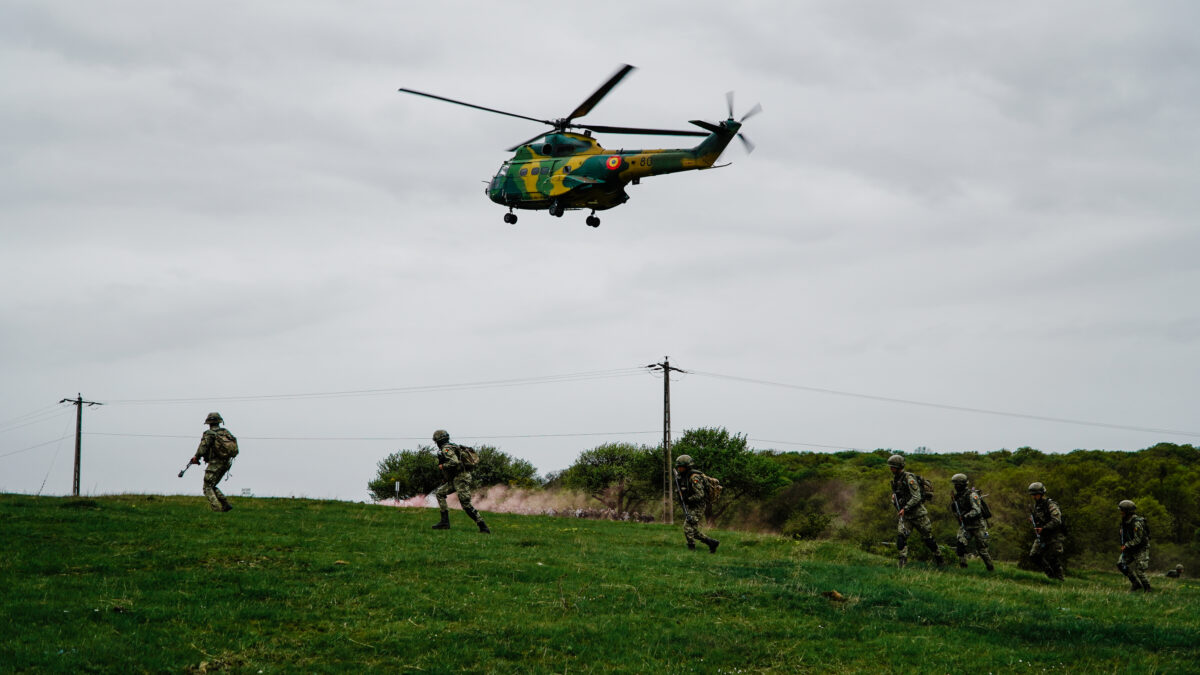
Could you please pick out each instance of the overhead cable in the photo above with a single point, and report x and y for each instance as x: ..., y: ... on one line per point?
x: 943, y: 406
x: 485, y: 384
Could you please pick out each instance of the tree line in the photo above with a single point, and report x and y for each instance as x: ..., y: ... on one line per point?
x: 846, y: 495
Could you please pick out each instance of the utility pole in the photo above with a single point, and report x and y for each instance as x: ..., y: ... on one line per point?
x: 668, y: 479
x: 78, y: 402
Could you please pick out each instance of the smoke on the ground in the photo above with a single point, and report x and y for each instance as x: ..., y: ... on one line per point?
x: 504, y: 499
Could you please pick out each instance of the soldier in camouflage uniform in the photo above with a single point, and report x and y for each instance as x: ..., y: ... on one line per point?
x: 1135, y: 547
x: 1047, y: 550
x: 967, y: 505
x: 458, y: 480
x: 213, y: 450
x: 911, y: 513
x: 1176, y: 573
x: 693, y: 488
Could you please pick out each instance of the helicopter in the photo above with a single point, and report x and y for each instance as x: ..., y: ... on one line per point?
x: 563, y: 170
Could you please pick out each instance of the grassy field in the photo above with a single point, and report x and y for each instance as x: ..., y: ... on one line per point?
x: 160, y: 584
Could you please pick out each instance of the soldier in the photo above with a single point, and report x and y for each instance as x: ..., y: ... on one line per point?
x: 458, y: 479
x: 1135, y: 547
x: 1176, y: 573
x: 1048, y: 532
x: 911, y: 513
x: 218, y: 447
x: 693, y: 488
x: 967, y: 505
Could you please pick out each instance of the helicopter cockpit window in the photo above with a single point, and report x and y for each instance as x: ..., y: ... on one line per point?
x: 566, y: 169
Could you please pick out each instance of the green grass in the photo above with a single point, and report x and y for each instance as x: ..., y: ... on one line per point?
x: 161, y: 584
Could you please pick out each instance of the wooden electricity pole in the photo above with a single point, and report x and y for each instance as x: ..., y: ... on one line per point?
x: 668, y: 479
x: 78, y: 402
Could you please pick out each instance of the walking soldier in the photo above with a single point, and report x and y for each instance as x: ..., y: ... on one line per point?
x: 968, y: 505
x: 218, y: 447
x: 458, y: 480
x: 693, y: 487
x: 1048, y: 532
x: 1135, y: 547
x: 908, y: 498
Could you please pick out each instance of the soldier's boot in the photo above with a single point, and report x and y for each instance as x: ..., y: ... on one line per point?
x: 712, y: 544
x: 1134, y: 585
x: 1058, y: 573
x: 444, y: 523
x: 962, y: 561
x: 901, y: 562
x: 987, y: 560
x: 691, y: 545
x: 937, y: 552
x: 962, y: 554
x: 474, y: 515
x: 1146, y: 585
x: 225, y: 505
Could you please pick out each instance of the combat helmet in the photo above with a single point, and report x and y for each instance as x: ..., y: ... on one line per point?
x: 959, y: 479
x: 213, y: 417
x: 441, y: 436
x: 896, y: 461
x: 1037, y: 489
x: 1127, y: 506
x: 684, y: 460
x: 1179, y: 567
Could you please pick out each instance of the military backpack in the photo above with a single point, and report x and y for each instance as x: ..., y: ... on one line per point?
x: 926, y: 488
x: 224, y: 445
x: 467, y: 456
x: 712, y: 488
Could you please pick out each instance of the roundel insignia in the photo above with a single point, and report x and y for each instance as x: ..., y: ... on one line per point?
x: 614, y: 162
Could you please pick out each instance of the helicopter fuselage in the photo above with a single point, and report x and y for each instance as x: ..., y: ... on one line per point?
x: 567, y: 170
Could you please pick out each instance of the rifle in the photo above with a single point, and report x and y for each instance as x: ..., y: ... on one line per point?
x: 1036, y: 535
x: 957, y: 511
x: 679, y: 491
x: 188, y: 466
x: 895, y: 503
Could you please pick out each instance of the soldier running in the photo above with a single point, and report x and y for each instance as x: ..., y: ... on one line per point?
x: 1047, y: 550
x: 1135, y: 547
x: 458, y: 480
x: 967, y: 505
x: 911, y: 513
x: 218, y: 447
x: 693, y: 488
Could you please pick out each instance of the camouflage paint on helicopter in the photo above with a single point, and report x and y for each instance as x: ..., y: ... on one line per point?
x: 564, y: 170
x: 573, y: 171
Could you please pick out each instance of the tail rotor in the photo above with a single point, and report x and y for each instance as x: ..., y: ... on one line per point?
x: 748, y: 114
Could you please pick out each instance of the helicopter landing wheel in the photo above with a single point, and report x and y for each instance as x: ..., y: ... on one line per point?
x: 557, y: 210
x: 593, y: 221
x: 510, y: 218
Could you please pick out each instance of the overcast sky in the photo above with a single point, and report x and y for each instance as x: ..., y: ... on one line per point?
x: 218, y: 205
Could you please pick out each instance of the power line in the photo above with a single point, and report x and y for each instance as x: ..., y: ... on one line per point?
x: 38, y: 412
x: 944, y: 406
x: 483, y: 437
x: 17, y: 452
x: 38, y: 418
x: 485, y: 384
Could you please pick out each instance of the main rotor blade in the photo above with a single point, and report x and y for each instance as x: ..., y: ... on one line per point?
x: 472, y: 105
x: 586, y: 107
x: 637, y: 130
x: 532, y: 139
x: 751, y: 112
